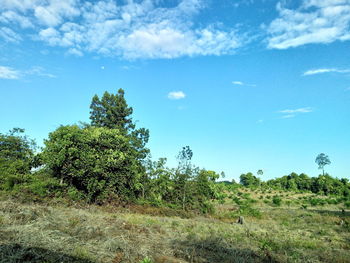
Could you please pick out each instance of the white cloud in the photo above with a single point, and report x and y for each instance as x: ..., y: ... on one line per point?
x: 8, y: 73
x: 9, y: 35
x: 288, y: 116
x: 315, y: 21
x: 38, y: 71
x: 55, y: 11
x: 291, y: 113
x: 9, y: 17
x: 145, y: 29
x: 240, y: 83
x: 300, y: 110
x: 176, y: 95
x: 325, y: 70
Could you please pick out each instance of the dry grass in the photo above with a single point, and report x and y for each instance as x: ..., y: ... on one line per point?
x: 40, y: 233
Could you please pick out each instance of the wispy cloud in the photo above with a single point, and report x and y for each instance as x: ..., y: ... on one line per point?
x: 325, y: 70
x: 240, y: 83
x: 291, y: 113
x: 9, y: 35
x: 128, y: 29
x: 38, y: 71
x: 314, y: 21
x: 9, y: 73
x: 176, y: 95
x: 300, y: 110
x: 288, y: 116
x: 129, y: 67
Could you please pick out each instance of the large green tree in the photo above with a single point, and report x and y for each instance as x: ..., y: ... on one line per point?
x: 249, y: 180
x: 113, y: 112
x: 96, y: 161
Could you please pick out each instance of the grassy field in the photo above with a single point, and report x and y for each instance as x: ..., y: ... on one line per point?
x: 287, y: 233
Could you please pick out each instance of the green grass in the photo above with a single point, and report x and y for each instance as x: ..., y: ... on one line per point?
x: 58, y: 233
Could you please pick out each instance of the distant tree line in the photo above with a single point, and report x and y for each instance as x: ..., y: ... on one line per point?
x: 323, y: 184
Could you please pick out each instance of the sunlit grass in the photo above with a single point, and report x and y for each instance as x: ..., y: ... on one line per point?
x: 42, y: 233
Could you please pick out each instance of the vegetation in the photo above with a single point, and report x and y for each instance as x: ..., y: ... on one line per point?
x: 33, y: 232
x: 93, y: 194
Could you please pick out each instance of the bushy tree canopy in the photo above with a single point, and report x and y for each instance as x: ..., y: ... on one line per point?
x: 95, y: 160
x: 249, y: 180
x: 16, y: 153
x: 111, y: 111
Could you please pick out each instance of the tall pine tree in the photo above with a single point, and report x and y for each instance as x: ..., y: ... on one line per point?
x: 112, y: 111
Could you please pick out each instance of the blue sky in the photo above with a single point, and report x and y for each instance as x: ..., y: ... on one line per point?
x: 246, y: 84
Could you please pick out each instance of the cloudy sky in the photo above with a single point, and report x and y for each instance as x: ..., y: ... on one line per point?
x: 247, y: 84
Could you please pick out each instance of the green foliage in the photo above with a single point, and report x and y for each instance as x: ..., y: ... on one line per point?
x: 146, y: 260
x: 276, y: 200
x: 109, y: 159
x: 323, y: 184
x: 317, y: 201
x: 245, y: 208
x: 96, y: 161
x: 16, y: 154
x: 249, y: 180
x: 111, y: 111
x: 186, y: 186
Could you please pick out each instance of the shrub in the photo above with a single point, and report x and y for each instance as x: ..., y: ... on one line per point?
x: 276, y: 200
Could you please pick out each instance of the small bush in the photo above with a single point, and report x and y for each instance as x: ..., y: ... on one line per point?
x: 75, y: 194
x: 276, y: 200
